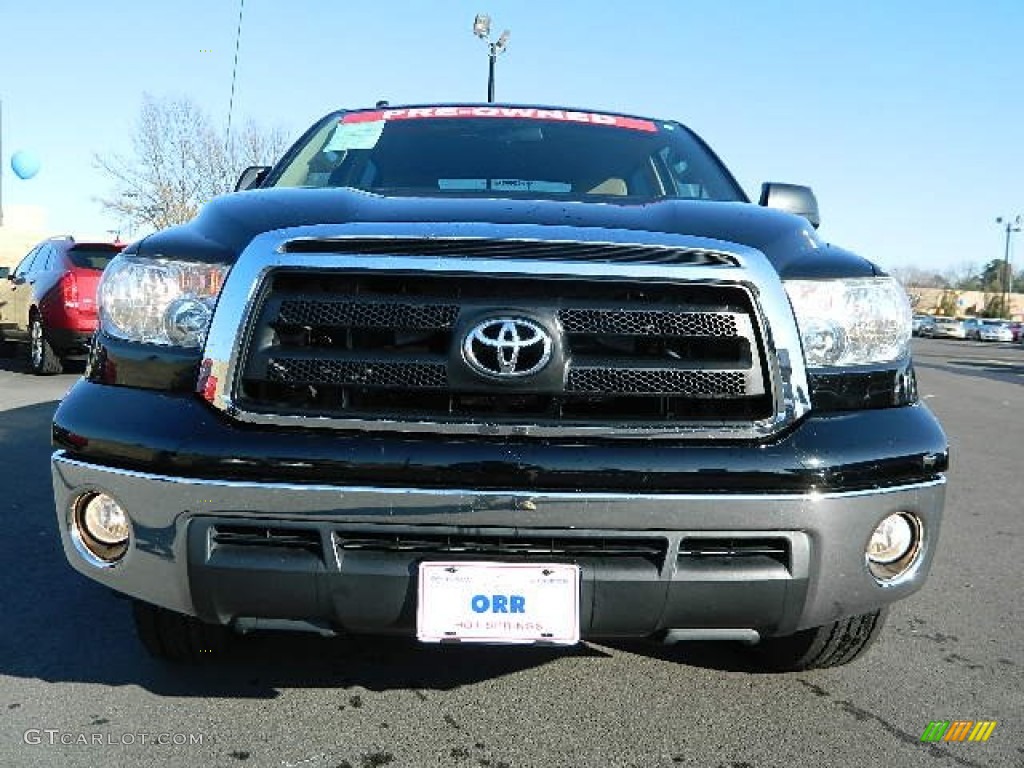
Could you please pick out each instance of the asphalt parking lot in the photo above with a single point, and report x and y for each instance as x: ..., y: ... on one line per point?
x: 70, y: 664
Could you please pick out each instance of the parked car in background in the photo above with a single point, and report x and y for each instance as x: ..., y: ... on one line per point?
x: 925, y: 326
x: 919, y: 322
x: 1016, y: 330
x: 995, y: 330
x: 971, y: 326
x: 48, y: 301
x: 947, y: 328
x: 987, y: 329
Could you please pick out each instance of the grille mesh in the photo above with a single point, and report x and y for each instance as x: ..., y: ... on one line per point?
x: 634, y: 323
x: 658, y: 381
x: 358, y: 372
x: 367, y: 314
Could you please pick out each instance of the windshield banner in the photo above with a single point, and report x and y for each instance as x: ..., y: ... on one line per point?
x: 527, y: 113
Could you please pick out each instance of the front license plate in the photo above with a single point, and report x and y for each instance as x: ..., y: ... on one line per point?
x: 498, y: 603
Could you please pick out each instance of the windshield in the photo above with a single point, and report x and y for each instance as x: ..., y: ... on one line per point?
x: 506, y: 152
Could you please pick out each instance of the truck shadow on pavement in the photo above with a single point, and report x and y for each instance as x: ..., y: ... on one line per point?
x: 61, y: 627
x: 17, y: 362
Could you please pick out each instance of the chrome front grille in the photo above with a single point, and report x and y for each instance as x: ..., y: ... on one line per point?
x: 360, y: 326
x: 378, y: 345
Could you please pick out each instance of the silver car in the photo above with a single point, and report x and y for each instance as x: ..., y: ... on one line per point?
x: 995, y: 330
x: 947, y: 328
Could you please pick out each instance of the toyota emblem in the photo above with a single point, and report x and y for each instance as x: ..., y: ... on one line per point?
x: 507, y: 347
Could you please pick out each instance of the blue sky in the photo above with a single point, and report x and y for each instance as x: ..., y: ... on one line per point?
x: 907, y: 118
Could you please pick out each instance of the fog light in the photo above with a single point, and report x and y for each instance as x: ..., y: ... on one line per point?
x: 890, y: 540
x: 100, y: 528
x: 893, y: 545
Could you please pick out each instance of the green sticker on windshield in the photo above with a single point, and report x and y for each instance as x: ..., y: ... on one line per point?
x: 355, y: 136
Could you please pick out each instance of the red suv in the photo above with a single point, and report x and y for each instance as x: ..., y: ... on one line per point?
x: 49, y: 300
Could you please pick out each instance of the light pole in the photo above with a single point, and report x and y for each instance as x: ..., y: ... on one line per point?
x: 1011, y: 226
x: 482, y: 29
x: 234, y: 74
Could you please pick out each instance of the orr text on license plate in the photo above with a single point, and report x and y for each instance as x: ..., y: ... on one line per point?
x: 485, y: 602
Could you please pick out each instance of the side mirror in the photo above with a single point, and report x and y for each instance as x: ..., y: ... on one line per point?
x: 252, y: 177
x: 791, y: 198
x: 5, y: 273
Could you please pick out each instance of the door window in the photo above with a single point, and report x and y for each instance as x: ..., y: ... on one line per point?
x: 47, y: 260
x: 25, y: 265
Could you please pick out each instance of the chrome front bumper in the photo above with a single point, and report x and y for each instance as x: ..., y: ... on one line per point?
x: 171, y: 561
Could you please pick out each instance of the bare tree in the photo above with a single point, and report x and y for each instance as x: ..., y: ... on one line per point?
x: 911, y: 276
x: 178, y: 162
x: 963, y: 276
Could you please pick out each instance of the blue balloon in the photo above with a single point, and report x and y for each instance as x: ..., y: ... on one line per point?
x: 24, y: 164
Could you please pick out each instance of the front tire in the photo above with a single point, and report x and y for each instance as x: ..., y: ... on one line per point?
x: 41, y: 358
x: 178, y: 638
x: 831, y: 645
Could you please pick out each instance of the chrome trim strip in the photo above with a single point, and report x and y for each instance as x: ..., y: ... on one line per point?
x: 60, y: 457
x: 234, y: 314
x: 565, y: 236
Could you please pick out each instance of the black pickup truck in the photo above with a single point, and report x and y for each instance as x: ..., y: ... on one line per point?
x: 502, y: 374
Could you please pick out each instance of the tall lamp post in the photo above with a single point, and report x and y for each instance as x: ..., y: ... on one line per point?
x: 1011, y: 226
x: 482, y: 29
x: 234, y: 74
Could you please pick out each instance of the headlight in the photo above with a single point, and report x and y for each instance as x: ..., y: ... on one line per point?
x: 858, y: 321
x: 159, y: 301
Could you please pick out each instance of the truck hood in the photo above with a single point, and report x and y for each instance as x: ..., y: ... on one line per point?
x: 227, y: 224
